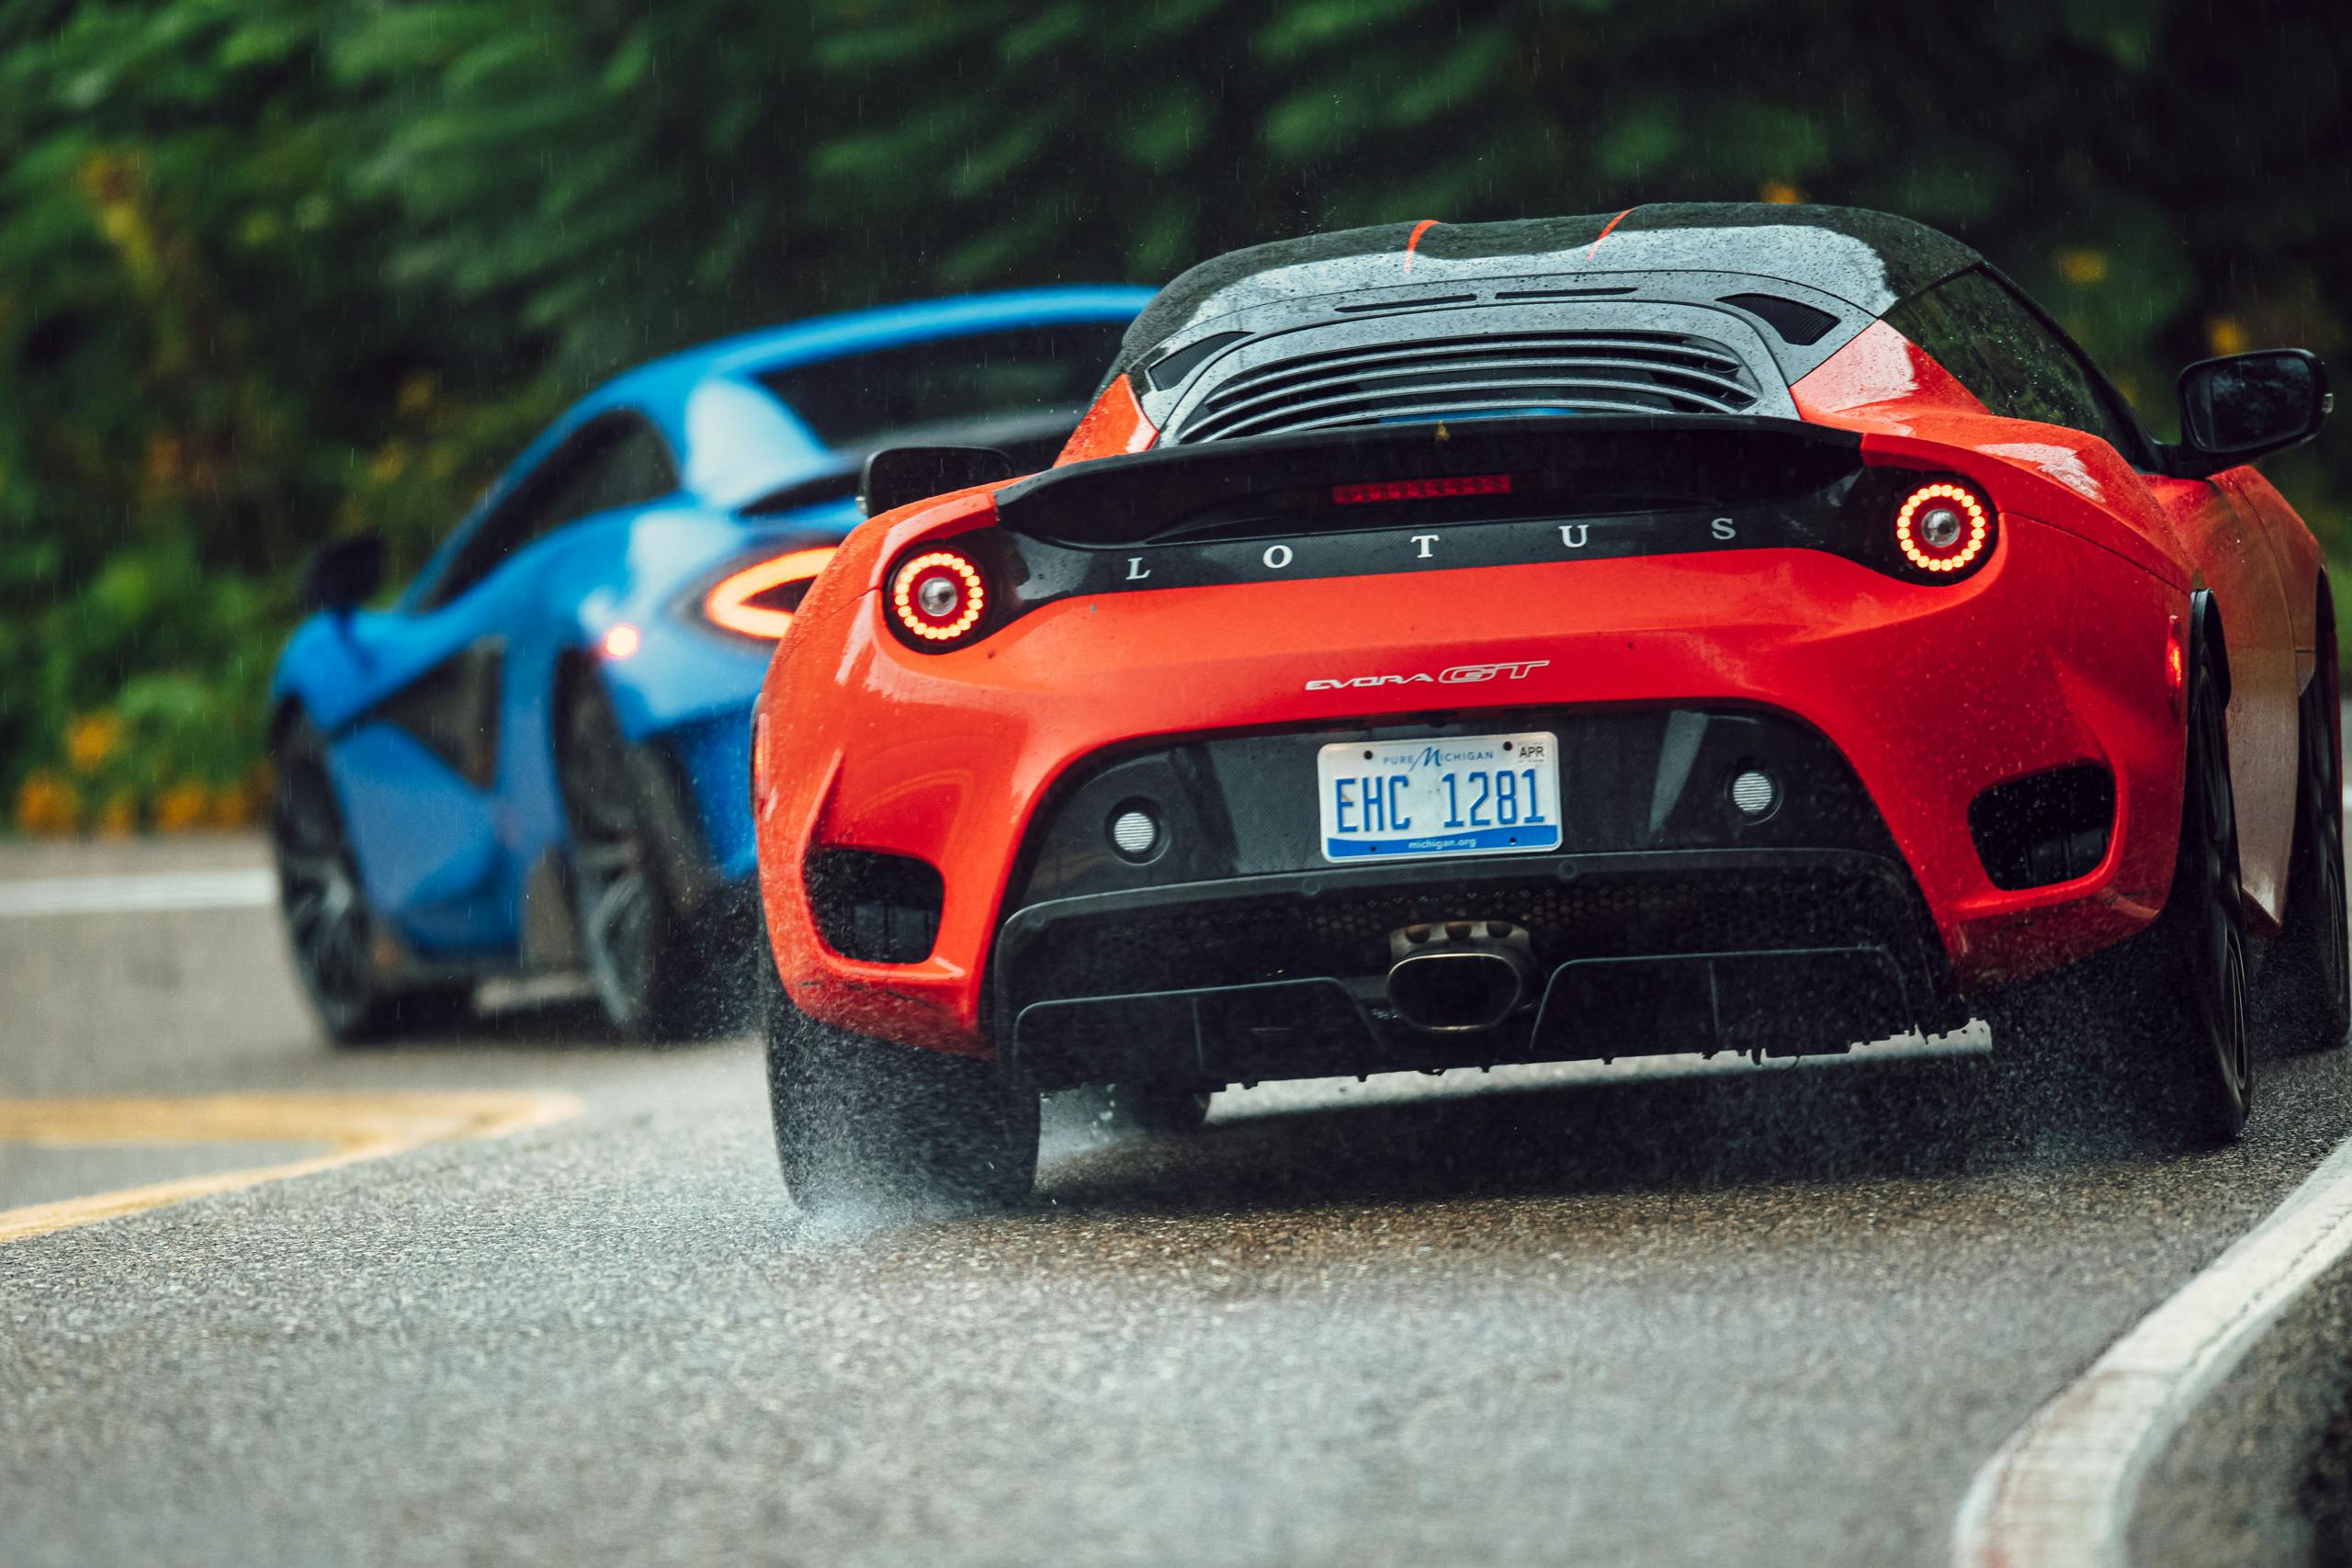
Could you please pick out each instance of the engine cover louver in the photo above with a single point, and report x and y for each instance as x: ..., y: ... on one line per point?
x: 1583, y: 372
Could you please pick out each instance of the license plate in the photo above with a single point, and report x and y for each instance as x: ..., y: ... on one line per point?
x: 1463, y: 795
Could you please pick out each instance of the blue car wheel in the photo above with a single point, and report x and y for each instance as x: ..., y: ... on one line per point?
x: 329, y: 925
x: 659, y: 973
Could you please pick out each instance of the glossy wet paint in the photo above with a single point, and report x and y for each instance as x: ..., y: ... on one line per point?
x: 446, y: 859
x: 2053, y: 653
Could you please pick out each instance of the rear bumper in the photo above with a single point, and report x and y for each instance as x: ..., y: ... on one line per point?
x: 704, y: 767
x: 1924, y: 695
x: 1668, y: 919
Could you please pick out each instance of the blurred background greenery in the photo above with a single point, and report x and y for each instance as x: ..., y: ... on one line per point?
x: 270, y: 269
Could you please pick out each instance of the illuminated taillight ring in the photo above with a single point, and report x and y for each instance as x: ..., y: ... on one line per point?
x: 1968, y: 541
x: 938, y: 597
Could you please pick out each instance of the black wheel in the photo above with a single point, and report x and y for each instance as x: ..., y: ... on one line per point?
x: 1154, y: 1107
x: 2306, y: 986
x: 328, y: 922
x: 658, y: 975
x: 2159, y: 1024
x: 863, y: 1123
x: 2203, y: 1077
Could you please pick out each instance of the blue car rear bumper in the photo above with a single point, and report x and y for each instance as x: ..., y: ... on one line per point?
x: 712, y: 756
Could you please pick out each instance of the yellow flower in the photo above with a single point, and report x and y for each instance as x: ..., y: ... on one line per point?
x: 1779, y: 193
x: 47, y: 804
x: 113, y: 184
x: 240, y: 804
x: 2083, y: 266
x: 416, y: 394
x: 2225, y: 334
x: 120, y: 816
x: 390, y: 462
x: 91, y: 740
x: 165, y: 466
x: 182, y: 806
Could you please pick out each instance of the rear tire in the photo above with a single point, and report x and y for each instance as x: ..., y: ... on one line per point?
x: 659, y: 974
x: 2306, y: 986
x: 330, y: 926
x: 867, y: 1124
x: 2157, y: 1027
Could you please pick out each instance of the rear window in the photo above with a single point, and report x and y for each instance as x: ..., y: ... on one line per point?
x: 2003, y: 353
x: 853, y: 401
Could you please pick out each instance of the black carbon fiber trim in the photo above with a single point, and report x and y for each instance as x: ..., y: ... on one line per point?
x: 1631, y: 779
x: 1281, y: 977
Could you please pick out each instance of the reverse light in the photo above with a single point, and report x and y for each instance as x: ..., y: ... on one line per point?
x: 1755, y: 793
x: 621, y: 639
x: 1942, y: 527
x: 938, y: 597
x: 758, y: 601
x: 1135, y: 832
x: 1421, y: 489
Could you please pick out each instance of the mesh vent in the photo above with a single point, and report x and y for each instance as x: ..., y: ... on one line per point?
x: 874, y: 907
x: 1590, y: 372
x: 2045, y: 829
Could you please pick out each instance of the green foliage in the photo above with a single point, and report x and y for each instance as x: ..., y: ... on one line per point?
x: 275, y: 268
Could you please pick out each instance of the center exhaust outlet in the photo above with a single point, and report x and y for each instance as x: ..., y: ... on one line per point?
x: 1451, y: 977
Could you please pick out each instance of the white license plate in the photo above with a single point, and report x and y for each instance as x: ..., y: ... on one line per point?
x: 1463, y: 795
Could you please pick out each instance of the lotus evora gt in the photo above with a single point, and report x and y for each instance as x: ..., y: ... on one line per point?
x: 534, y: 760
x: 1695, y: 629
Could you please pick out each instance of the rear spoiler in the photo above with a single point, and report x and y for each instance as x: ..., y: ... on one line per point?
x: 1599, y: 462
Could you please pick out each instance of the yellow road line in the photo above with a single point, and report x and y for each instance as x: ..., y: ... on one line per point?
x: 356, y: 1126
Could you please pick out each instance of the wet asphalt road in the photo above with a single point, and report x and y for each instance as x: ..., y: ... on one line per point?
x: 1664, y: 1314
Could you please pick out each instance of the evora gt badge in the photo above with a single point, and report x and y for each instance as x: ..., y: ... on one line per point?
x: 1458, y: 675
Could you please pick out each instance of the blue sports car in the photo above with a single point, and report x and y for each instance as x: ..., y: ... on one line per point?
x: 534, y: 760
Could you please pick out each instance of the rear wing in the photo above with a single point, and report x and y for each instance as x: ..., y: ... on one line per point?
x: 1554, y: 466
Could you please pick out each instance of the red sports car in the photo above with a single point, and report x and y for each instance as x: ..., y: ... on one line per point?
x: 1694, y: 628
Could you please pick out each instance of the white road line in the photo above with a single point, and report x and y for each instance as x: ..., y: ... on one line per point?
x: 133, y: 895
x: 2060, y: 1490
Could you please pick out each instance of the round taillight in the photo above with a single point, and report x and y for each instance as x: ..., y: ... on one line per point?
x: 938, y: 597
x: 1942, y: 527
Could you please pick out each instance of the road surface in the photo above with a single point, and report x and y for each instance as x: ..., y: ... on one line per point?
x: 540, y: 1298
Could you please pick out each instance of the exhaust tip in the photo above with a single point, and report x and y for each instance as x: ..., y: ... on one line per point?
x: 1459, y: 975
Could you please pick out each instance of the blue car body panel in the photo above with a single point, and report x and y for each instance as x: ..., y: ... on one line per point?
x: 444, y: 854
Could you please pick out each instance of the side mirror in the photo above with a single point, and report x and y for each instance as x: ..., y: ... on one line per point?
x: 342, y: 574
x: 897, y: 475
x: 2235, y: 409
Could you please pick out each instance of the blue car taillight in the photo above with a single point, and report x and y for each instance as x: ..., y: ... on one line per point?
x: 757, y: 600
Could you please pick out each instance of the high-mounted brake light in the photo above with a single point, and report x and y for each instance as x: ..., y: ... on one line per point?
x: 758, y: 601
x: 1421, y: 489
x: 1942, y: 527
x: 938, y: 597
